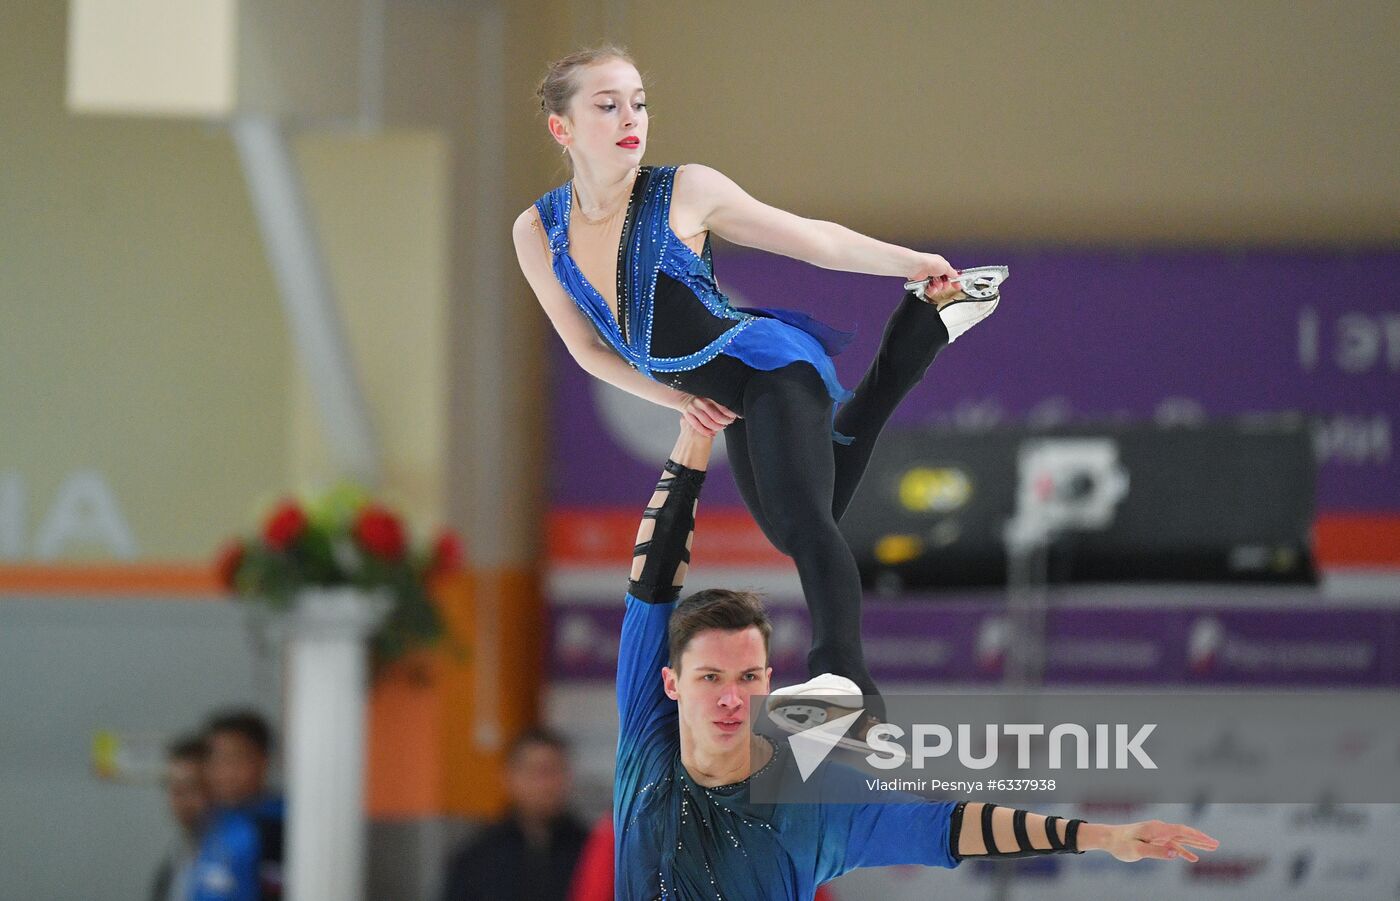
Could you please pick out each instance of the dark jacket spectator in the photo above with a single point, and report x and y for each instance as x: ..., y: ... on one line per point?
x: 504, y: 864
x: 529, y: 854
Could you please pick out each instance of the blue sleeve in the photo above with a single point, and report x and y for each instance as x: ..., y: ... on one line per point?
x: 648, y: 740
x: 643, y: 709
x: 886, y: 834
x: 912, y: 830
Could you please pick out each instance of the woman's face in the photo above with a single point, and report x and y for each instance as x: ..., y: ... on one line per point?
x: 606, y: 125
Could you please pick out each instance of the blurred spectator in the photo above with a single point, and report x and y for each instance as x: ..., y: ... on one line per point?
x: 529, y: 855
x: 240, y: 858
x: 189, y: 805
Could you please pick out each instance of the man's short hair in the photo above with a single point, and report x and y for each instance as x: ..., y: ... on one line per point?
x: 716, y: 608
x: 538, y: 735
x: 248, y: 723
x: 187, y: 748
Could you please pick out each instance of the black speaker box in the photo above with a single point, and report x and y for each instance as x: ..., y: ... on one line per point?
x: 1215, y: 503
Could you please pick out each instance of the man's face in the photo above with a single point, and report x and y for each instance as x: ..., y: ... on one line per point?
x: 185, y: 792
x: 717, y: 674
x: 237, y: 769
x: 538, y: 780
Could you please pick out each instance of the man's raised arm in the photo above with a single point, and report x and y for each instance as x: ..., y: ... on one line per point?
x: 659, y: 564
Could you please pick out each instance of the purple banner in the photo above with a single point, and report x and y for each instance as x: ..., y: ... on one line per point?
x: 1168, y: 336
x: 1138, y: 645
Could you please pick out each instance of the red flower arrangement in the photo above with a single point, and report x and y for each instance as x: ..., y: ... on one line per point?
x: 380, y: 533
x: 344, y: 539
x: 284, y: 526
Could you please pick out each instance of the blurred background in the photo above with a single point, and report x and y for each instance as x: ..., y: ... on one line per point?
x: 254, y: 248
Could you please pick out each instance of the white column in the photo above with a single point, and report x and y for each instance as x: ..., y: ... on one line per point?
x: 326, y: 742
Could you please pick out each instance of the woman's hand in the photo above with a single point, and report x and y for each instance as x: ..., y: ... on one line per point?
x: 944, y: 285
x: 1151, y: 839
x: 705, y: 416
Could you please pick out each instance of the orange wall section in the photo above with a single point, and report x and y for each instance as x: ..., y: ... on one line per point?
x: 425, y: 756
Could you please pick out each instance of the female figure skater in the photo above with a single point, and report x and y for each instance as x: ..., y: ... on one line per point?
x: 619, y: 257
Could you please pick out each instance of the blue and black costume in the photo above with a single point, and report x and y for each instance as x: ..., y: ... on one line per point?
x: 796, y: 469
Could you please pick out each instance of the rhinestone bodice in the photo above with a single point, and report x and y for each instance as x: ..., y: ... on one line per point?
x: 649, y: 248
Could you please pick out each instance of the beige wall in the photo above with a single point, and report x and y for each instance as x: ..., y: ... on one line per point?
x: 381, y: 207
x: 1179, y: 121
x: 140, y: 334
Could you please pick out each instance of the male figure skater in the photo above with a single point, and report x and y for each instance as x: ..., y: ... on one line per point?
x: 685, y: 825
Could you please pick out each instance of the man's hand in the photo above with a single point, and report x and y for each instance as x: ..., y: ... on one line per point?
x: 1149, y: 839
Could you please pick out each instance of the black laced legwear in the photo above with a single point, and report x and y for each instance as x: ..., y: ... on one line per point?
x: 1022, y: 834
x: 662, y: 553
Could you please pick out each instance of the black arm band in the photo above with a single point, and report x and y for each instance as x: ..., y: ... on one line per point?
x: 666, y: 550
x: 955, y: 829
x: 1070, y: 844
x: 989, y: 839
x: 1072, y: 836
x: 1052, y: 833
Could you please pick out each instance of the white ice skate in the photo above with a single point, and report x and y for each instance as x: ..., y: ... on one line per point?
x: 796, y: 708
x: 982, y: 287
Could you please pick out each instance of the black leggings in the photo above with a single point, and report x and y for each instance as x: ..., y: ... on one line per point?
x: 797, y: 482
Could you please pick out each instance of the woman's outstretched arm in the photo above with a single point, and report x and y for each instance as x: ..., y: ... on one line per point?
x: 596, y: 358
x: 707, y: 199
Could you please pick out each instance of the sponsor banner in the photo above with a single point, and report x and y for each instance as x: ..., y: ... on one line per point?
x: 1343, y: 647
x: 966, y: 643
x: 1174, y: 337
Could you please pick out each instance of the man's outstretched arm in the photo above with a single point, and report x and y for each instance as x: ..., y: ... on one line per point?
x: 943, y: 833
x: 659, y: 563
x: 989, y: 830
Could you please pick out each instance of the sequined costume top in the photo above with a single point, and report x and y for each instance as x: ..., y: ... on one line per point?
x: 680, y: 840
x: 671, y: 316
